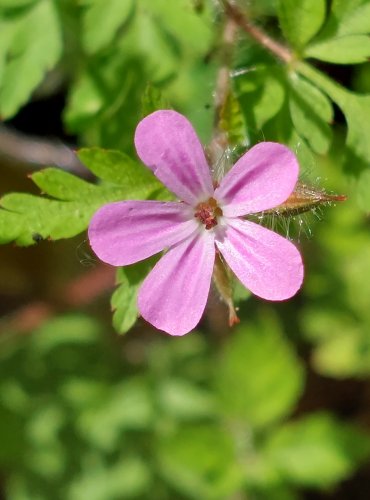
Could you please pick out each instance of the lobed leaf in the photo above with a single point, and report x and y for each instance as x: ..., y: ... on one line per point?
x: 118, y: 168
x: 261, y: 95
x: 26, y: 218
x: 301, y: 20
x: 348, y: 17
x: 311, y: 112
x: 356, y: 108
x: 351, y: 49
x: 63, y: 185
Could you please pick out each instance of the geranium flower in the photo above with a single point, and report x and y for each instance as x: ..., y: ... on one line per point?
x: 206, y: 220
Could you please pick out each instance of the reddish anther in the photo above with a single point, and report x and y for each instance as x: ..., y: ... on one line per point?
x: 207, y: 212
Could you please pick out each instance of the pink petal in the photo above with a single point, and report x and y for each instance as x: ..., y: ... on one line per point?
x: 174, y: 294
x: 167, y: 143
x: 125, y: 232
x: 261, y: 179
x: 266, y: 263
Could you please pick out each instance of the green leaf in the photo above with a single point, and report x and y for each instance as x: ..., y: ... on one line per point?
x: 148, y: 42
x: 117, y: 168
x: 86, y: 99
x: 363, y: 190
x: 199, y: 462
x: 268, y: 375
x: 73, y: 330
x: 348, y: 17
x: 34, y: 47
x: 164, y: 43
x: 356, y: 108
x: 25, y: 217
x: 114, y: 410
x: 153, y: 100
x: 124, y: 298
x: 301, y: 20
x: 345, y: 354
x: 185, y: 401
x: 311, y: 112
x: 182, y: 22
x: 102, y: 20
x: 63, y: 185
x: 232, y: 121
x: 352, y: 49
x: 16, y: 4
x: 317, y: 451
x: 126, y: 477
x: 261, y: 95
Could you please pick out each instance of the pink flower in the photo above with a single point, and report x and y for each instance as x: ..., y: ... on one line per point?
x: 174, y: 294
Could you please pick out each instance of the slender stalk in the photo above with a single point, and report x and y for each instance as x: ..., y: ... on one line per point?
x: 215, y: 150
x: 239, y: 17
x: 222, y: 90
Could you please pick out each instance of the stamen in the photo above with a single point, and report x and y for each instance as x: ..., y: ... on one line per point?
x: 207, y: 212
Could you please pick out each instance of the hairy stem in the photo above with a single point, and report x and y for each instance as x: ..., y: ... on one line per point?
x: 239, y: 17
x: 222, y: 89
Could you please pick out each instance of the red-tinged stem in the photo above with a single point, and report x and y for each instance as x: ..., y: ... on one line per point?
x: 336, y: 197
x: 222, y: 281
x: 239, y: 17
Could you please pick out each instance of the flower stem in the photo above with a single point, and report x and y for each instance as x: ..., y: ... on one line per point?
x: 235, y: 13
x: 222, y: 281
x: 222, y: 89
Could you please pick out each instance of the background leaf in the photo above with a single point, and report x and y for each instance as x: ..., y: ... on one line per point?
x: 356, y: 108
x: 317, y: 451
x: 348, y: 17
x: 33, y: 47
x: 261, y: 94
x: 351, y: 49
x: 300, y: 21
x: 101, y: 22
x: 270, y: 393
x: 199, y: 461
x: 311, y: 112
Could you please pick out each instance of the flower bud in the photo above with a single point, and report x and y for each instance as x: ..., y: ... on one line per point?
x: 305, y: 198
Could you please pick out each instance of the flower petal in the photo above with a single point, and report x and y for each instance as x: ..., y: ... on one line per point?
x: 174, y: 294
x: 167, y: 143
x: 261, y: 179
x: 267, y: 264
x: 125, y: 232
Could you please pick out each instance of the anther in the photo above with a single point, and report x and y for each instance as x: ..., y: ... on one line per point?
x: 208, y: 212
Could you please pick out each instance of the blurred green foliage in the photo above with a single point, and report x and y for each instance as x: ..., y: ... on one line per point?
x: 80, y: 418
x: 87, y: 415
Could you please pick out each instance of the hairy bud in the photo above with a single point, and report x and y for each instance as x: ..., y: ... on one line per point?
x: 305, y: 198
